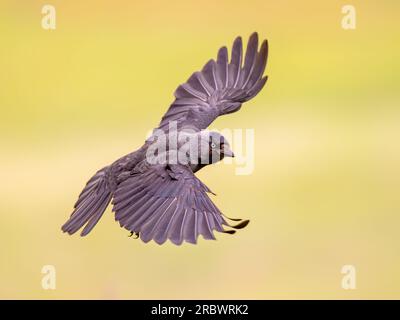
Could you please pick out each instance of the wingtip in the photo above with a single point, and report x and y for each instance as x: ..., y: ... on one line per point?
x: 264, y: 45
x: 238, y: 39
x: 85, y: 232
x: 254, y: 36
x: 222, y: 50
x: 65, y: 228
x: 241, y: 225
x: 229, y: 231
x: 222, y: 56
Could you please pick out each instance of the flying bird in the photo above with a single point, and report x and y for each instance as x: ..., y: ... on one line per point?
x: 154, y: 191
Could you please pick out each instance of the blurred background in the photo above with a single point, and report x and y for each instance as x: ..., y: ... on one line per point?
x: 326, y: 184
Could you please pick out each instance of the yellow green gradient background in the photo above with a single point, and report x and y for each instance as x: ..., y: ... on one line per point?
x: 326, y: 187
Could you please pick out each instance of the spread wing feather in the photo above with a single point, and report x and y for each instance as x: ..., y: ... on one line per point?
x: 91, y: 204
x: 220, y: 87
x: 167, y: 202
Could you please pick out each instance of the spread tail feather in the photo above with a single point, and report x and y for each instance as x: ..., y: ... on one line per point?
x: 91, y: 204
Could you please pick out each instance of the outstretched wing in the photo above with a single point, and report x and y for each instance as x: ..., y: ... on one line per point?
x: 220, y: 87
x: 91, y: 204
x: 163, y: 202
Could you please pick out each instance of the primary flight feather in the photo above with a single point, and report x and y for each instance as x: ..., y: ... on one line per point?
x: 154, y: 191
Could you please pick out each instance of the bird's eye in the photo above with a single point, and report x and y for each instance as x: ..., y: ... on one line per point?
x: 213, y: 145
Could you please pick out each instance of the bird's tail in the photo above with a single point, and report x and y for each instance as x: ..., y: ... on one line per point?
x: 91, y: 204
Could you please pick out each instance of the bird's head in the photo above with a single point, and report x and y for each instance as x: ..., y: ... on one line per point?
x: 214, y: 147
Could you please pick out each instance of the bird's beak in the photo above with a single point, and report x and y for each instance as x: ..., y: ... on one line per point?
x: 228, y: 152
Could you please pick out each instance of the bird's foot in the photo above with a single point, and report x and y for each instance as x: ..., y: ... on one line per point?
x: 134, y: 233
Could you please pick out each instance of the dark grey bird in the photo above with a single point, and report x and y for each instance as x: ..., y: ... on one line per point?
x: 154, y: 191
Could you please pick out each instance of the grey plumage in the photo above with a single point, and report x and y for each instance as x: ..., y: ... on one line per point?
x: 165, y: 200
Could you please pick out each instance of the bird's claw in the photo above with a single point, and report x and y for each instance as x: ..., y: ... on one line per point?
x: 134, y: 233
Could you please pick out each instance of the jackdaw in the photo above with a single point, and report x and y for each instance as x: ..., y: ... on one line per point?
x: 154, y: 191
